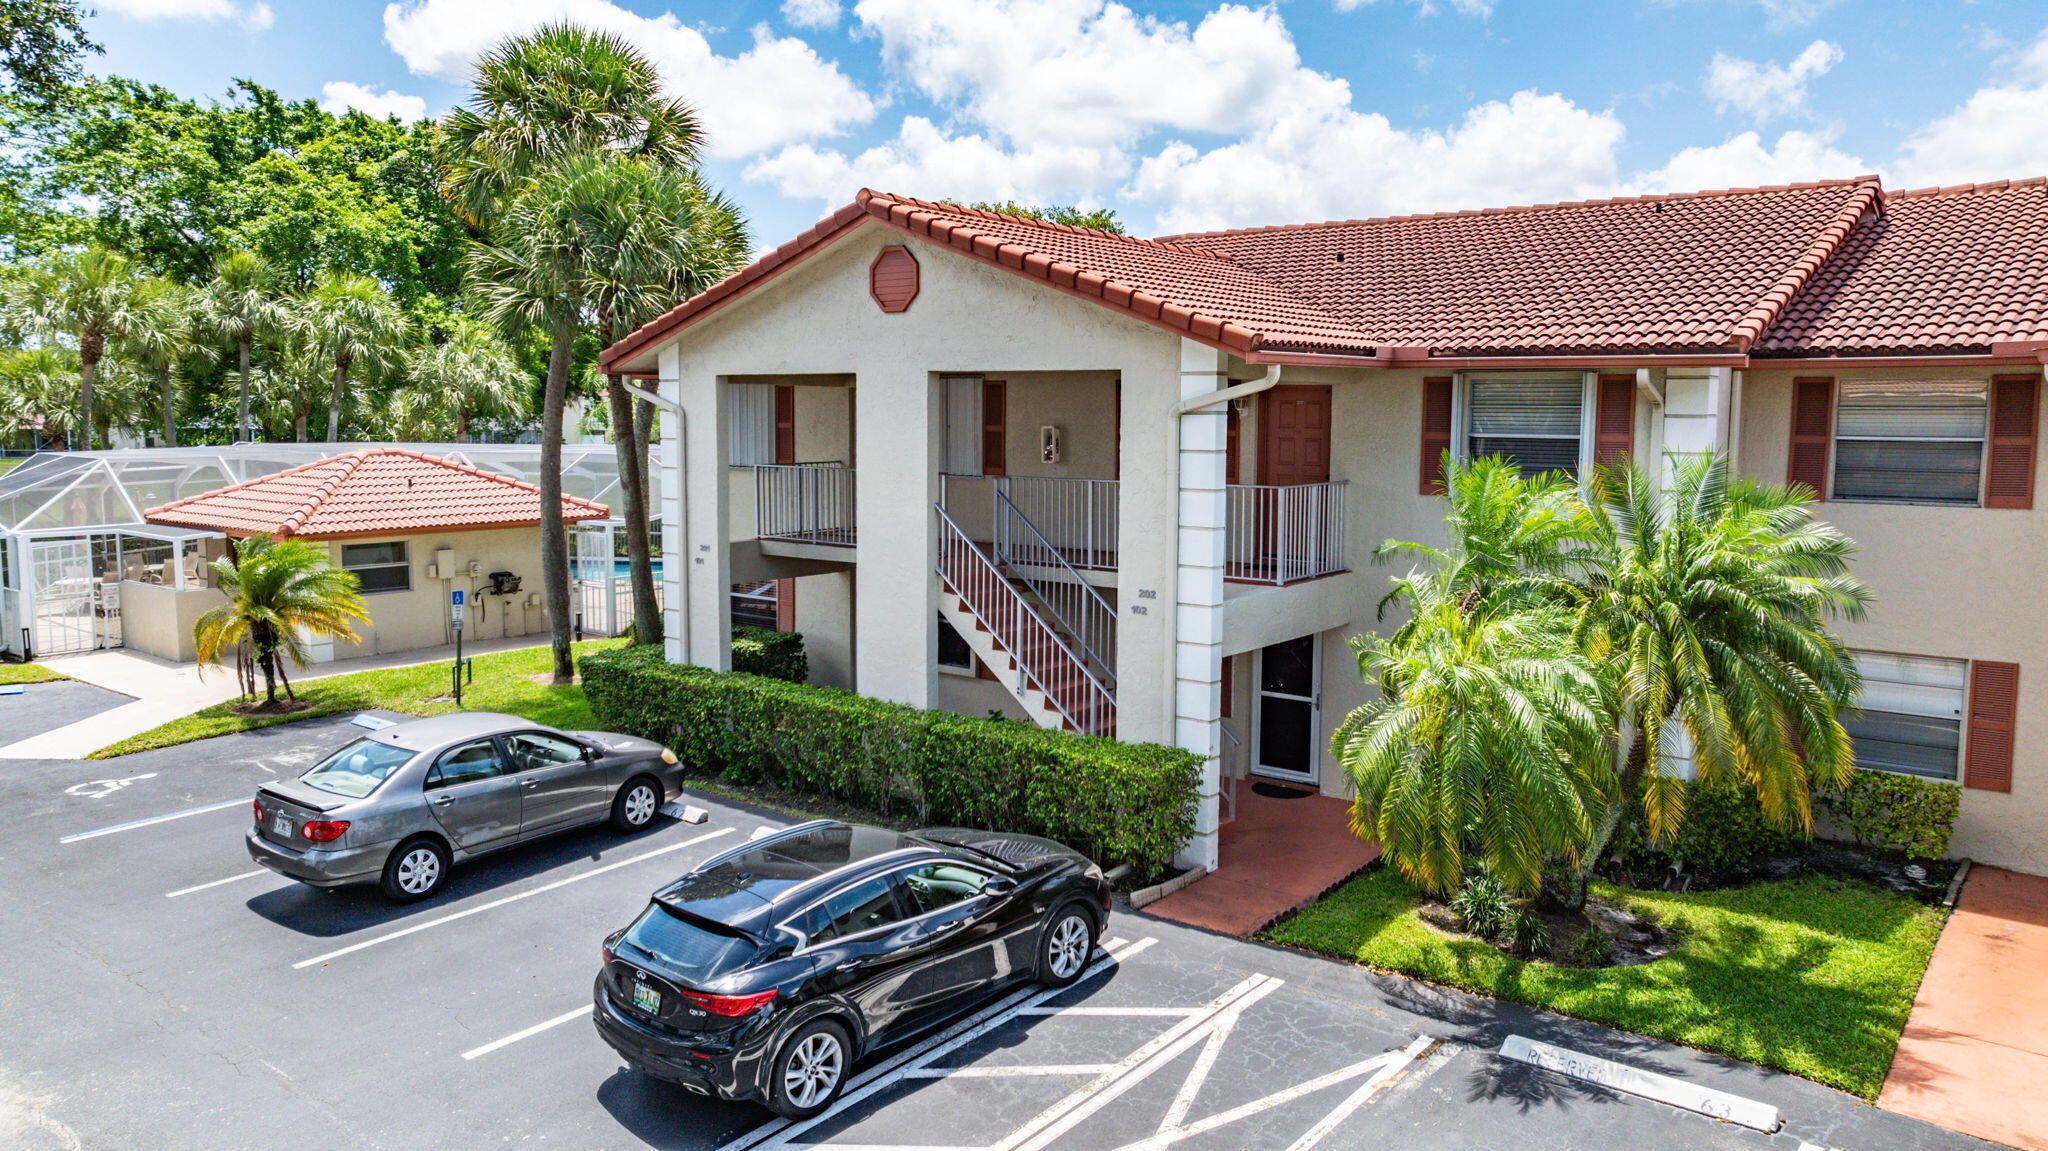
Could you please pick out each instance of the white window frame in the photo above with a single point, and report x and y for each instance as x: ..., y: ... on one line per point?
x: 1461, y: 434
x: 1835, y: 445
x: 1962, y: 715
x: 969, y: 384
x: 405, y: 564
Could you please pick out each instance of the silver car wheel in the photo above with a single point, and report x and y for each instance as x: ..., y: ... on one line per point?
x: 1069, y: 946
x: 640, y: 804
x: 419, y: 870
x: 813, y: 1069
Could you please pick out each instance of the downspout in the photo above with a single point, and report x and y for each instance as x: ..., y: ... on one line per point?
x: 1221, y: 395
x: 680, y: 587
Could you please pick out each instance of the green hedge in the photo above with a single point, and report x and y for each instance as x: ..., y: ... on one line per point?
x: 1116, y: 801
x: 1724, y: 830
x: 775, y: 654
x: 1901, y: 813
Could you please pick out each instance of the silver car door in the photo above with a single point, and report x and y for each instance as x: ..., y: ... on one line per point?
x: 472, y: 796
x: 561, y: 787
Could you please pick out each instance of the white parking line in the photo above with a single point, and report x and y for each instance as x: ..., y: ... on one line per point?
x: 514, y: 898
x: 536, y: 1029
x: 216, y: 883
x: 977, y: 1072
x: 154, y: 819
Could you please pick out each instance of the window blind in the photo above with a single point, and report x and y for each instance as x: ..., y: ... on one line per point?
x: 1536, y: 423
x: 961, y: 396
x: 750, y: 425
x: 1912, y: 715
x: 1917, y: 441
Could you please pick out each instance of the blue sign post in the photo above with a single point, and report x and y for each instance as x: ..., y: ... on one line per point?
x: 455, y: 607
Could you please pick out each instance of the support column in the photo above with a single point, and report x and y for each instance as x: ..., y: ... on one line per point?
x: 695, y: 520
x: 1198, y: 582
x: 1698, y: 407
x: 895, y: 609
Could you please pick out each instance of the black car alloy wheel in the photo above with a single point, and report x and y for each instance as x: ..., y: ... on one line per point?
x: 811, y: 1070
x: 1063, y: 950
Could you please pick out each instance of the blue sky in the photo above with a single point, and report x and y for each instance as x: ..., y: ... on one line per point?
x: 1185, y: 114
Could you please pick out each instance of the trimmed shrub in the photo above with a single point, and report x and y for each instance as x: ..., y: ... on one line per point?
x: 1894, y: 812
x: 1482, y: 906
x: 1115, y: 801
x: 1724, y: 830
x: 775, y: 654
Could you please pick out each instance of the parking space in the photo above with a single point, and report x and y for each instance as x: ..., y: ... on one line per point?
x: 163, y: 993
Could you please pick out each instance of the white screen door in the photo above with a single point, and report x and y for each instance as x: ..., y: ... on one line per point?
x: 1285, y: 723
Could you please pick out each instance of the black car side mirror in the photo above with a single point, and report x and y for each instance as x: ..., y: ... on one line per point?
x: 999, y: 886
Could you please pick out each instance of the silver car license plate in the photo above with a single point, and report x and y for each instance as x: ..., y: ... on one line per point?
x: 646, y: 998
x: 281, y: 824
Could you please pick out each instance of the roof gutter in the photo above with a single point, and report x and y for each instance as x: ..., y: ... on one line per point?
x: 1225, y: 395
x: 681, y: 589
x: 1393, y: 356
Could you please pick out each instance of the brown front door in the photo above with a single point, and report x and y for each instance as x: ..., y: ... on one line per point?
x: 1294, y: 434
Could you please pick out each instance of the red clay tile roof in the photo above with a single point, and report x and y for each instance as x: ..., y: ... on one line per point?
x: 1941, y: 270
x: 1823, y: 267
x: 377, y: 491
x: 1692, y: 272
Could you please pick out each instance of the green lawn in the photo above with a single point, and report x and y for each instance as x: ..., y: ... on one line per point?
x: 1811, y: 975
x: 504, y: 682
x: 28, y: 673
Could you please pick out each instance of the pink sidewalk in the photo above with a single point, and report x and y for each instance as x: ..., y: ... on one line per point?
x: 1277, y: 855
x: 1974, y: 1056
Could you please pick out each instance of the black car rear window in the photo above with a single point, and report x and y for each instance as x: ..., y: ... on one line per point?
x: 692, y: 947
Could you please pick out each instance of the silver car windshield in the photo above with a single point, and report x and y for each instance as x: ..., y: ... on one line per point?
x: 356, y: 770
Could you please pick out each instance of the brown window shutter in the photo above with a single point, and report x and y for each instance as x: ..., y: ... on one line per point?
x: 1813, y: 426
x: 2015, y: 429
x: 785, y: 424
x: 1994, y: 704
x: 994, y: 428
x: 1614, y: 420
x: 785, y: 605
x: 1229, y: 684
x: 1233, y: 450
x: 1436, y: 432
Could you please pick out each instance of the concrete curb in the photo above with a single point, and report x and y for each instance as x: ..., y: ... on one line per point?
x: 1159, y: 891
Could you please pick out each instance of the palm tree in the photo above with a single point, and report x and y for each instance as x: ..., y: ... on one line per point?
x: 279, y: 592
x: 469, y: 375
x: 560, y: 98
x: 89, y: 297
x: 163, y: 340
x: 242, y: 306
x: 354, y: 324
x: 1490, y: 733
x: 37, y: 391
x: 1708, y: 604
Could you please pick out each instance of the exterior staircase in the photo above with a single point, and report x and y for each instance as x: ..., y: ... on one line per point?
x: 1022, y: 638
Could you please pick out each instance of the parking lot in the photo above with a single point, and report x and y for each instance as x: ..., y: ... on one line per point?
x: 161, y: 992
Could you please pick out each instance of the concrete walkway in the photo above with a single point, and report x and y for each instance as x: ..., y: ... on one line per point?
x: 164, y: 691
x: 1974, y: 1056
x: 1277, y: 855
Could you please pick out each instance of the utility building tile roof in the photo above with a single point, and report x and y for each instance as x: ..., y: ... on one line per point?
x: 380, y: 491
x: 1940, y: 270
x: 1830, y: 267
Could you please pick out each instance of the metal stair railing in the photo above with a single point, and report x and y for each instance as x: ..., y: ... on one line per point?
x: 1075, y: 604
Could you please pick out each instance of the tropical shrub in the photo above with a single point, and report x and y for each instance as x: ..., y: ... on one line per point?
x: 1724, y: 830
x: 1894, y: 812
x: 1482, y: 906
x: 1528, y: 935
x: 775, y: 654
x: 1116, y: 801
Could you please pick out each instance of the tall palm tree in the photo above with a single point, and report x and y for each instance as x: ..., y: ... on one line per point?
x: 1490, y: 733
x: 468, y: 376
x: 279, y: 592
x: 1708, y: 604
x: 242, y: 306
x: 90, y: 298
x: 164, y: 340
x: 38, y: 391
x: 353, y: 324
x: 561, y: 97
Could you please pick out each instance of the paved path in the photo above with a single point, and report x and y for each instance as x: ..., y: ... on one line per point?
x: 1278, y: 855
x: 1974, y: 1055
x: 163, y: 690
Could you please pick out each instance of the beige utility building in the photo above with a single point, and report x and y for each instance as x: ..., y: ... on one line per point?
x: 1134, y: 486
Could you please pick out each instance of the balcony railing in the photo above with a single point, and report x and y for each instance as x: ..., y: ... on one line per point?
x: 1278, y: 534
x: 1075, y: 521
x: 804, y: 503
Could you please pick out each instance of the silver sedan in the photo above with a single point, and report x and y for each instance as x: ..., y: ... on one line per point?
x: 400, y: 806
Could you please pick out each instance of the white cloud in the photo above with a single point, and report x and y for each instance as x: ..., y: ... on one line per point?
x: 777, y: 92
x: 255, y: 16
x: 1743, y: 162
x: 1998, y: 133
x: 926, y: 161
x: 811, y: 13
x: 1780, y: 15
x: 1480, y: 8
x: 1767, y: 90
x: 338, y: 96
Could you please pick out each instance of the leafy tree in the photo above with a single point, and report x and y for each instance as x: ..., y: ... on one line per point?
x: 90, y: 298
x: 1103, y: 219
x: 241, y: 304
x: 40, y: 45
x: 349, y: 321
x: 279, y: 592
x: 550, y: 115
x: 468, y: 376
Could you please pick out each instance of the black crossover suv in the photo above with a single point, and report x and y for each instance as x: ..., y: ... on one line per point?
x: 765, y: 973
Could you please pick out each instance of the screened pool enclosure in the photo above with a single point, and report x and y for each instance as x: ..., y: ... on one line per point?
x: 72, y: 536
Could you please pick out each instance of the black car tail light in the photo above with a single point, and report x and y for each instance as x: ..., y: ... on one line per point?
x: 730, y: 1006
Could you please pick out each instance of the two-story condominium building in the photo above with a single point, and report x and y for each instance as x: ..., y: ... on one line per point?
x: 1133, y: 486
